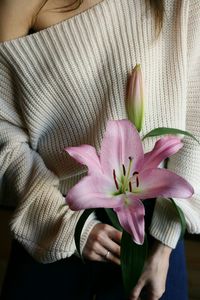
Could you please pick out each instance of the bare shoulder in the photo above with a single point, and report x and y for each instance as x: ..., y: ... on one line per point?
x: 16, y: 17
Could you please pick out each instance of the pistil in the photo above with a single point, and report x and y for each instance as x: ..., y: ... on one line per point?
x: 126, y: 181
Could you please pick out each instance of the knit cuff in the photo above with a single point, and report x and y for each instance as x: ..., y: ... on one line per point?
x: 87, y: 228
x: 165, y: 225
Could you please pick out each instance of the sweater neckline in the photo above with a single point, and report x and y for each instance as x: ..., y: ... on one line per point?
x: 55, y: 26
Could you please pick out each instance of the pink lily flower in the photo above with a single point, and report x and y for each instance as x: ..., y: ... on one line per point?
x: 122, y: 176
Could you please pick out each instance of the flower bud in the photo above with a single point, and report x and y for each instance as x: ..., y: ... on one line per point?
x: 135, y: 98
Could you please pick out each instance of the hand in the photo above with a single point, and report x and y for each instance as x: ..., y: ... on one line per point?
x: 103, y: 238
x: 153, y: 278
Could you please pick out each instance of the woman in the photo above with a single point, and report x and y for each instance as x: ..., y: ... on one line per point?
x: 59, y: 87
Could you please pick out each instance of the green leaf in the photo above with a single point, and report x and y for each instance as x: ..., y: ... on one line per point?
x: 79, y: 227
x: 181, y: 217
x: 113, y: 218
x: 133, y: 257
x: 165, y: 130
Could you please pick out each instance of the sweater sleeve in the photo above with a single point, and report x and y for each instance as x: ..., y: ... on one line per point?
x: 165, y: 223
x: 42, y: 221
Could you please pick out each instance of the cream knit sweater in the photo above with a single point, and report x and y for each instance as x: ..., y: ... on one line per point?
x: 60, y: 86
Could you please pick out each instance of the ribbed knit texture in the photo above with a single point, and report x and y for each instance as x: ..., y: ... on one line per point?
x: 60, y: 86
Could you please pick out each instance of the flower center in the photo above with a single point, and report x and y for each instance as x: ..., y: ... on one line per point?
x: 127, y: 182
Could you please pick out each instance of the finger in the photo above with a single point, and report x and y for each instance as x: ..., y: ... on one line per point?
x: 106, y: 254
x: 107, y: 242
x: 100, y: 243
x: 93, y: 247
x: 104, y: 250
x: 101, y: 254
x: 113, y: 258
x: 114, y: 234
x: 109, y: 251
x: 153, y: 296
x: 103, y: 241
x: 96, y: 252
x: 111, y: 246
x: 96, y: 257
x: 137, y: 290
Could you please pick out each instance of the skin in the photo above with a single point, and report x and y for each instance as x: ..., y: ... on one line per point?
x: 16, y: 19
x: 153, y: 278
x: 105, y: 238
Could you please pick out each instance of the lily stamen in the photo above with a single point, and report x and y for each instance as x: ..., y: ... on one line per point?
x: 124, y: 169
x: 135, y: 173
x: 115, y: 180
x: 137, y: 181
x: 136, y: 177
x: 130, y: 187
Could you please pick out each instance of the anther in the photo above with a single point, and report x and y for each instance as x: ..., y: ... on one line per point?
x: 124, y: 170
x: 130, y: 187
x: 137, y: 181
x: 115, y: 180
x: 135, y: 173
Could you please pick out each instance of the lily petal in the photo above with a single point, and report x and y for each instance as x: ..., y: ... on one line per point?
x: 131, y: 218
x: 121, y: 141
x: 162, y: 182
x: 164, y: 147
x: 92, y: 192
x: 86, y: 155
